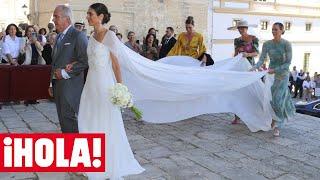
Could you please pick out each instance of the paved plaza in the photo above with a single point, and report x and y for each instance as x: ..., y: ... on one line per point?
x: 204, y: 147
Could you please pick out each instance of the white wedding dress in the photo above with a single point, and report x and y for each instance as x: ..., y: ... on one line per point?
x: 98, y: 115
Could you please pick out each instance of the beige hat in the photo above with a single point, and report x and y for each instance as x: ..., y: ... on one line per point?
x: 242, y: 24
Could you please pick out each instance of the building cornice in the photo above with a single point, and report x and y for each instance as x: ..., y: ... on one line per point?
x: 275, y: 3
x: 268, y: 9
x: 240, y: 11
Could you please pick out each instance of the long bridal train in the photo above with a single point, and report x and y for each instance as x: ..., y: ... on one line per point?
x: 176, y: 88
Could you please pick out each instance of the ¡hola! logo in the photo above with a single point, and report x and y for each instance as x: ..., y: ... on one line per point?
x: 52, y: 152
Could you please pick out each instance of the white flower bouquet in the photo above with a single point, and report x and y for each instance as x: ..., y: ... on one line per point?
x: 121, y: 97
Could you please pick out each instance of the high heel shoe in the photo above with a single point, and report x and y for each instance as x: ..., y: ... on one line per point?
x: 235, y: 121
x: 276, y: 132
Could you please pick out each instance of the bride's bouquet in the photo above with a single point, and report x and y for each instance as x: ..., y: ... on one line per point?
x: 121, y: 97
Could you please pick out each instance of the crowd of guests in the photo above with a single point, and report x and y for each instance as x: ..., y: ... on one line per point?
x: 151, y: 48
x: 32, y: 45
x: 189, y: 43
x: 304, y: 86
x: 29, y: 45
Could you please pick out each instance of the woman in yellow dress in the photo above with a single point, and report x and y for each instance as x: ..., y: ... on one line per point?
x: 189, y: 43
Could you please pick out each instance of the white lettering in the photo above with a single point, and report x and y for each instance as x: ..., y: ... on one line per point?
x: 61, y: 161
x: 44, y: 152
x: 80, y: 153
x: 20, y: 152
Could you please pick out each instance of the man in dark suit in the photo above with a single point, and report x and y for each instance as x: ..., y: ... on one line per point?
x: 300, y: 78
x: 70, y: 47
x: 167, y: 42
x: 47, y: 49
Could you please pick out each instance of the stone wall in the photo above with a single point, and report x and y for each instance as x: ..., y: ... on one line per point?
x: 137, y: 15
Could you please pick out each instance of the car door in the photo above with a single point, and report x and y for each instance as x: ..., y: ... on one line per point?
x: 316, y: 109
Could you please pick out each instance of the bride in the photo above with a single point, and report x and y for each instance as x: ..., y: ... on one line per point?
x: 96, y: 113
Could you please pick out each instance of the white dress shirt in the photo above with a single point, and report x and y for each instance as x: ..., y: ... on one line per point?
x: 11, y: 46
x: 308, y: 85
x: 294, y: 75
x: 301, y: 77
x: 167, y: 40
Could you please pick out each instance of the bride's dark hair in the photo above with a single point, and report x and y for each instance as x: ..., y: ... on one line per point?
x: 100, y: 8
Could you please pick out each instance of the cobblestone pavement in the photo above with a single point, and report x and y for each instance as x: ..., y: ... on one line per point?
x: 204, y: 147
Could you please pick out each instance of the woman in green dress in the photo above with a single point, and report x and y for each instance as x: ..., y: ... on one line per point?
x: 280, y: 54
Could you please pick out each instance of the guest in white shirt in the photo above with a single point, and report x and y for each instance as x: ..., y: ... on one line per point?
x: 32, y: 47
x: 308, y: 86
x: 11, y: 45
x: 294, y: 75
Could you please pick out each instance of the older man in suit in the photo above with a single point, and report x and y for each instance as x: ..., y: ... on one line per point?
x: 70, y: 47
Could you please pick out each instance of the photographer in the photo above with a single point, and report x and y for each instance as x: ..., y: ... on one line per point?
x: 32, y: 48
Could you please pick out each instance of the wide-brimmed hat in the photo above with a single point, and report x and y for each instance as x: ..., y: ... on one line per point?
x: 242, y: 24
x: 79, y: 23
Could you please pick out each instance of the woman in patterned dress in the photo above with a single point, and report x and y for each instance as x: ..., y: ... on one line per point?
x: 279, y: 51
x: 246, y: 44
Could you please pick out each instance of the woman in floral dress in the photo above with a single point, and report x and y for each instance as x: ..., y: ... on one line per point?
x: 246, y: 44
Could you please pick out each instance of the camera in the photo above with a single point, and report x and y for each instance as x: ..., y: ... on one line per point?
x: 34, y: 35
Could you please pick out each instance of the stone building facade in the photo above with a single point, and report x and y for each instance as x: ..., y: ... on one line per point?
x: 13, y: 12
x: 131, y: 15
x: 301, y: 19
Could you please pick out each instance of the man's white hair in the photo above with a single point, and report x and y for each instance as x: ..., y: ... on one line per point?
x: 66, y: 10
